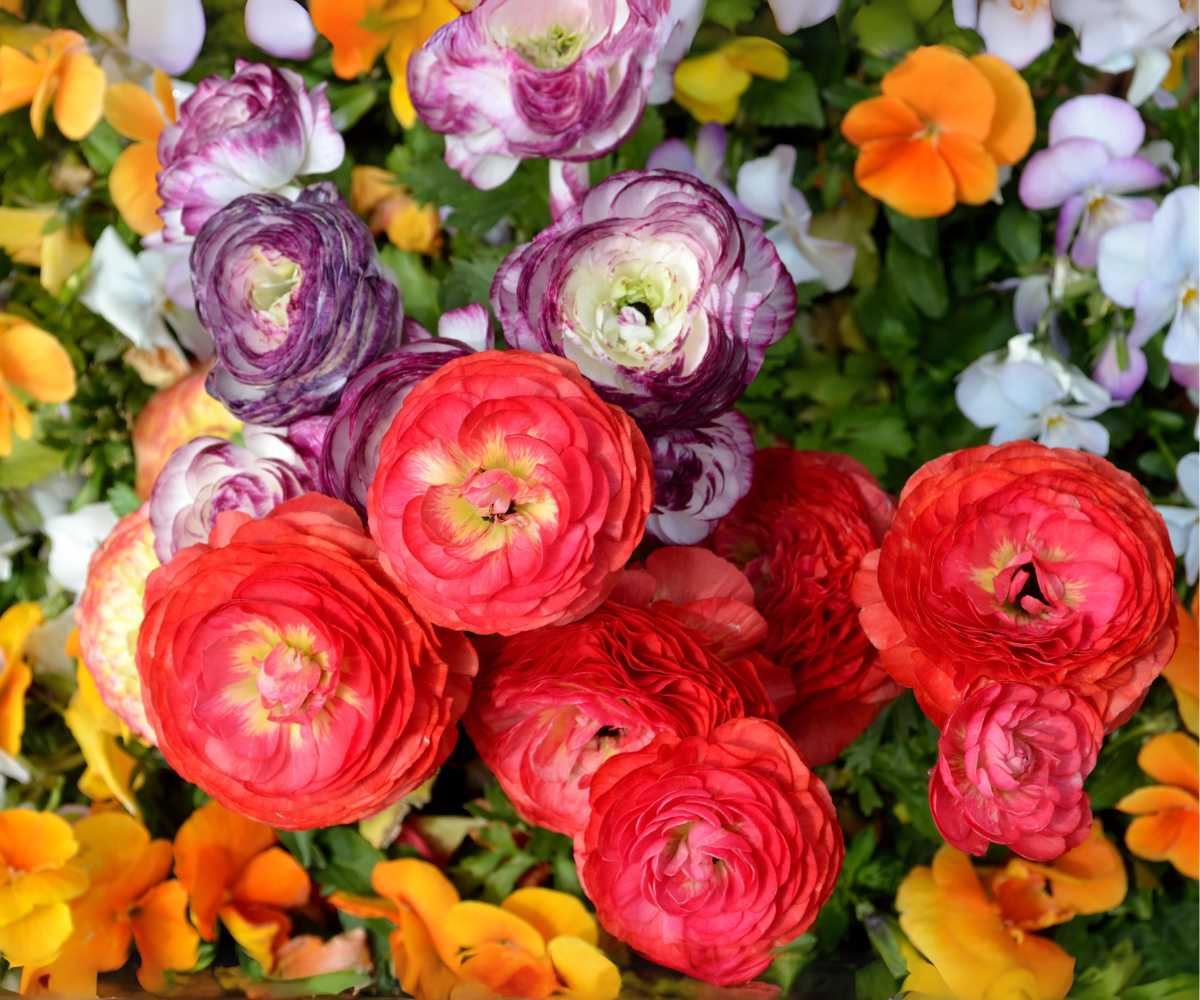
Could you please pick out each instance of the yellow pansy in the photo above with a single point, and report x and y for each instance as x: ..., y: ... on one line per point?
x: 709, y: 86
x: 97, y: 730
x: 56, y: 71
x: 140, y: 117
x: 387, y: 207
x: 58, y: 253
x: 15, y: 625
x: 34, y: 362
x: 360, y: 30
x: 1167, y: 827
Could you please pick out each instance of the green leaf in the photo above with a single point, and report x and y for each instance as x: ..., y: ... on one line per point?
x: 101, y: 147
x: 922, y: 280
x: 785, y: 103
x: 470, y: 280
x: 420, y: 288
x: 29, y: 463
x: 302, y: 845
x: 920, y: 235
x: 122, y: 499
x: 1019, y: 232
x: 349, y: 104
x: 884, y: 28
x: 349, y: 860
x: 730, y: 13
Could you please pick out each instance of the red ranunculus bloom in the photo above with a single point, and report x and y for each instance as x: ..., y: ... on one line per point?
x: 508, y: 495
x: 1011, y: 765
x: 1041, y: 566
x: 799, y: 535
x: 708, y: 853
x: 551, y: 706
x: 286, y: 676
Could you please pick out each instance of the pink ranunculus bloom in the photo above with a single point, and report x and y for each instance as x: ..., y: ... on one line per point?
x: 1012, y: 760
x: 707, y: 854
x: 110, y: 615
x: 508, y: 495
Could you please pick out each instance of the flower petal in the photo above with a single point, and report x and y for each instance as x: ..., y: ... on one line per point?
x: 1053, y: 175
x: 33, y: 360
x: 1173, y: 759
x: 168, y: 36
x: 1014, y: 124
x: 942, y: 86
x: 552, y: 913
x: 586, y: 972
x: 80, y: 97
x: 880, y: 118
x: 132, y: 112
x: 281, y: 28
x: 1112, y: 122
x: 974, y: 170
x: 908, y: 175
x: 132, y: 186
x: 165, y: 938
x: 273, y: 878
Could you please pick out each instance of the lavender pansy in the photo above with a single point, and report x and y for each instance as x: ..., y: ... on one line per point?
x: 1025, y: 392
x: 139, y: 34
x: 210, y: 475
x: 1087, y: 171
x: 1153, y: 267
x: 654, y: 287
x: 1018, y: 31
x: 256, y: 132
x: 792, y: 15
x: 523, y: 79
x: 698, y: 477
x: 1121, y: 367
x: 281, y: 28
x: 296, y: 301
x: 374, y: 396
x: 707, y: 162
x: 683, y: 21
x: 765, y: 186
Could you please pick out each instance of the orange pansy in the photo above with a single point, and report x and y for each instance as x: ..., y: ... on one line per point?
x: 34, y: 362
x: 1089, y: 878
x: 133, y: 181
x: 58, y: 70
x: 537, y: 943
x: 127, y: 898
x: 1167, y: 827
x: 1183, y: 672
x: 940, y: 130
x: 232, y: 869
x: 360, y: 30
x: 967, y: 950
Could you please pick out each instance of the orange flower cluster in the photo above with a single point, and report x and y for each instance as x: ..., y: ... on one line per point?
x: 941, y: 130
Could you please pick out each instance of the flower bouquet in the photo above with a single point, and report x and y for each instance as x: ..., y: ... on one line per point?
x: 616, y: 498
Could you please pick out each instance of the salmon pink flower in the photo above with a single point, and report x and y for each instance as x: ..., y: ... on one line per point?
x: 508, y: 495
x: 110, y: 616
x: 940, y: 131
x: 315, y: 696
x: 707, y: 854
x: 1020, y: 563
x: 553, y: 705
x: 799, y: 535
x: 1167, y: 827
x: 1012, y: 760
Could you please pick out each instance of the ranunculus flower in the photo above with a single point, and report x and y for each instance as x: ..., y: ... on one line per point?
x: 707, y: 854
x: 521, y: 79
x: 799, y: 535
x: 698, y: 476
x: 921, y: 154
x: 286, y: 676
x: 508, y: 494
x: 1012, y: 760
x: 259, y: 131
x: 110, y: 616
x: 209, y: 475
x: 555, y: 704
x: 374, y: 396
x: 171, y: 419
x: 295, y: 299
x: 1022, y: 563
x: 665, y: 299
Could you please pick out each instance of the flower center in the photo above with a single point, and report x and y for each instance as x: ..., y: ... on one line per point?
x: 273, y: 281
x: 1025, y: 585
x: 493, y: 493
x: 1189, y: 296
x: 294, y: 682
x: 556, y: 49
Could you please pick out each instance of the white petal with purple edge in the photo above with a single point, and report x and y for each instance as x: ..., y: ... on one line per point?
x: 1018, y: 36
x: 1109, y: 120
x: 166, y: 35
x: 1052, y: 175
x: 469, y: 325
x: 1128, y: 174
x: 1122, y: 261
x: 281, y: 28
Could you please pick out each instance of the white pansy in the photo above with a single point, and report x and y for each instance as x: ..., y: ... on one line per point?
x: 1183, y: 523
x: 74, y: 537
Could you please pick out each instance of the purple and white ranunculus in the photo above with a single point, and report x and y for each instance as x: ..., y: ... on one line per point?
x: 706, y: 160
x: 209, y: 475
x: 1087, y: 171
x: 654, y: 287
x: 698, y: 477
x: 254, y: 133
x: 1153, y: 267
x: 765, y: 187
x: 1026, y: 392
x: 525, y: 79
x: 374, y: 396
x: 296, y: 302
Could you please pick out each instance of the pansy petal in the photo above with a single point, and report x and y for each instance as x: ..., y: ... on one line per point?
x: 258, y: 930
x: 1053, y: 175
x: 552, y: 913
x: 281, y: 28
x: 164, y: 936
x: 792, y: 15
x: 1014, y: 124
x: 880, y: 118
x: 79, y: 101
x: 168, y: 36
x: 36, y: 938
x: 273, y: 878
x: 131, y: 184
x: 1018, y: 35
x: 586, y: 972
x: 33, y: 360
x: 1122, y: 260
x: 942, y: 86
x: 1130, y: 173
x: 1112, y: 122
x: 908, y: 175
x: 763, y: 184
x: 973, y: 168
x: 1173, y: 759
x: 133, y: 112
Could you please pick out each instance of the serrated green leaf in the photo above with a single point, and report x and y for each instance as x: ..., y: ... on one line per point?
x: 30, y: 462
x: 420, y: 288
x: 786, y: 103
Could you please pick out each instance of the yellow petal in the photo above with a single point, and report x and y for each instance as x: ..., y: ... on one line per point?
x: 165, y: 939
x: 552, y: 913
x: 33, y: 841
x: 256, y: 936
x: 19, y: 79
x: 419, y: 885
x: 110, y: 767
x: 132, y: 184
x: 64, y: 251
x: 14, y: 682
x: 132, y: 112
x: 584, y: 969
x: 758, y: 57
x: 27, y: 891
x: 80, y: 98
x: 21, y: 233
x: 709, y: 86
x: 413, y: 33
x: 1173, y: 759
x: 165, y: 94
x: 491, y: 946
x: 20, y: 619
x: 36, y: 938
x: 31, y: 359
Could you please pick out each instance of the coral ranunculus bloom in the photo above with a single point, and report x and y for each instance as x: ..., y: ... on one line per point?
x: 1012, y: 760
x: 709, y: 853
x: 1022, y: 563
x: 940, y: 130
x: 284, y: 674
x: 553, y: 705
x: 799, y: 536
x: 1167, y: 827
x: 508, y: 495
